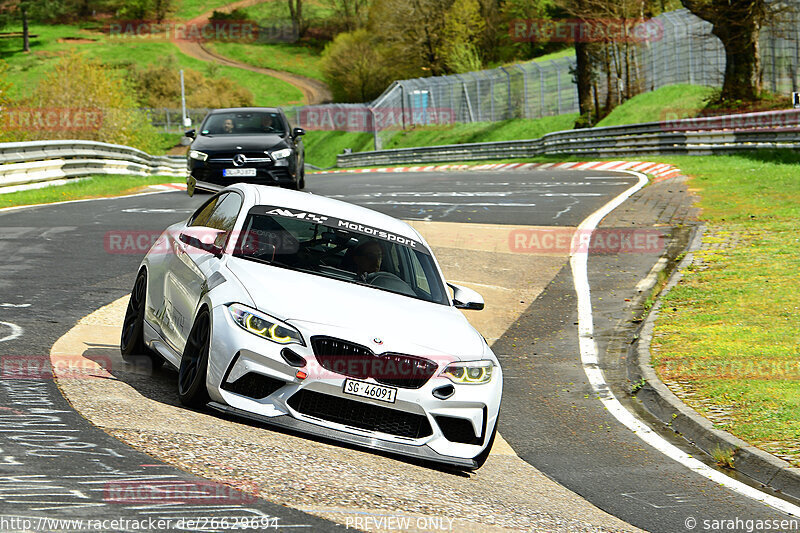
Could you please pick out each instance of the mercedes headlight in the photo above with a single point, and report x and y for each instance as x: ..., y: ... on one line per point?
x: 200, y: 156
x: 469, y: 372
x: 265, y: 326
x: 281, y: 154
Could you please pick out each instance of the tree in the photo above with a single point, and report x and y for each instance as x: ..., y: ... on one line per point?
x: 606, y: 51
x: 737, y: 23
x: 462, y: 29
x: 413, y: 30
x: 351, y: 14
x: 355, y: 67
x: 17, y: 10
x: 157, y: 10
x: 296, y: 14
x: 536, y: 11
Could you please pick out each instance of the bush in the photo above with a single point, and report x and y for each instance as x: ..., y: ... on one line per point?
x: 158, y: 85
x: 355, y: 67
x: 79, y: 87
x: 236, y: 15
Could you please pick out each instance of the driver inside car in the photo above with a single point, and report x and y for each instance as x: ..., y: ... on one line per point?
x: 367, y: 258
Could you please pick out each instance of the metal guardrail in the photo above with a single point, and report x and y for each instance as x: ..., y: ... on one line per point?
x: 696, y: 136
x: 41, y: 161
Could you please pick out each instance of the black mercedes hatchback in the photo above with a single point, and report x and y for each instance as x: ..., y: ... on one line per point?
x: 246, y: 144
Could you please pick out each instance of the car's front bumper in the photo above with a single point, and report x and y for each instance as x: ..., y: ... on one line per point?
x: 280, y: 399
x: 281, y: 173
x: 288, y: 422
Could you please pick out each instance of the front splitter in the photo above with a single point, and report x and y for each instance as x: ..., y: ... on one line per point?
x: 287, y: 422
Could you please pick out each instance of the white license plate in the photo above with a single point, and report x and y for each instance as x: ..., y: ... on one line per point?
x: 231, y: 172
x: 370, y: 390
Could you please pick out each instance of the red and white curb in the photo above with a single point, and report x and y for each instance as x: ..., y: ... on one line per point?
x: 660, y: 171
x: 169, y: 187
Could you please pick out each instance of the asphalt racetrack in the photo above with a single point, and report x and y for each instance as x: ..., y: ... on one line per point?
x: 57, y: 267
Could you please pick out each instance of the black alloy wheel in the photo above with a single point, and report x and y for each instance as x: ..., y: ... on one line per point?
x: 192, y: 390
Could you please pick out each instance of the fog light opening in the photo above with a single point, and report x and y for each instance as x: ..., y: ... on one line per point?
x: 444, y: 392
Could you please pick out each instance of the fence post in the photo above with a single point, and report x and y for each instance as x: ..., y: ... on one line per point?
x: 524, y: 90
x: 491, y: 97
x: 509, y: 109
x: 558, y: 86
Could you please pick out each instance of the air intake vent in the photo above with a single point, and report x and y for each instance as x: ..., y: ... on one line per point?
x: 361, y: 415
x: 457, y: 430
x: 253, y: 385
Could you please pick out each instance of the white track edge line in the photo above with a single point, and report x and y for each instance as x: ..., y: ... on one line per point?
x: 589, y: 360
x: 20, y: 207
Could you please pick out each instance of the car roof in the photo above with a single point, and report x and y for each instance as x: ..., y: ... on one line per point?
x: 313, y: 203
x: 243, y: 110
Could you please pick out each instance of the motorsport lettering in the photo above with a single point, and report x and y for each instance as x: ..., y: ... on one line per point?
x: 377, y: 232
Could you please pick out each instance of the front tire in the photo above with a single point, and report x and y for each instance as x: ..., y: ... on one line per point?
x: 131, y: 343
x: 192, y: 390
x: 301, y: 184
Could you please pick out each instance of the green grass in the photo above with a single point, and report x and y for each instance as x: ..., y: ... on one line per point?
x: 566, y: 52
x: 166, y: 141
x: 322, y: 146
x: 643, y: 108
x: 294, y: 58
x: 188, y: 9
x: 667, y: 103
x: 269, y: 12
x: 26, y: 70
x: 731, y: 329
x: 507, y: 130
x: 92, y: 187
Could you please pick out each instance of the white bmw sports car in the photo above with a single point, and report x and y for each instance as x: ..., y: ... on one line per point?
x: 318, y: 316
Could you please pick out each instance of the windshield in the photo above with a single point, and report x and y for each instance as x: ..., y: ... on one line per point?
x: 244, y: 123
x: 358, y: 255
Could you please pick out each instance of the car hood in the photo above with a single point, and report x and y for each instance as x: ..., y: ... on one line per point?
x: 232, y: 143
x: 324, y: 306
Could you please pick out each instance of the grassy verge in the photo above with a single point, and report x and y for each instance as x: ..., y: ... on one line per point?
x: 729, y: 332
x: 188, y: 9
x: 322, y: 146
x: 26, y: 70
x: 507, y: 130
x: 287, y: 57
x: 667, y: 103
x: 167, y: 141
x: 92, y: 187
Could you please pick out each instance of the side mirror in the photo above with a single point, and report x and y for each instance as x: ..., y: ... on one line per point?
x: 204, y: 239
x: 465, y: 298
x: 297, y: 132
x: 191, y: 134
